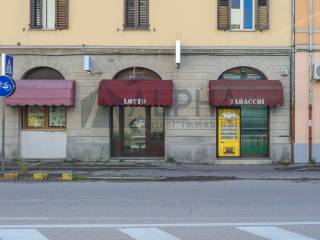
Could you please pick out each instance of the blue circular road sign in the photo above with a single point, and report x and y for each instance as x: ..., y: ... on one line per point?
x: 7, y: 86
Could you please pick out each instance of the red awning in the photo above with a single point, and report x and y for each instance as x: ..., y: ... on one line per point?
x: 245, y: 92
x: 43, y: 93
x: 136, y: 93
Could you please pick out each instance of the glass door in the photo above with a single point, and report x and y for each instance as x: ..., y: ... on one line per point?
x: 134, y: 131
x: 137, y: 131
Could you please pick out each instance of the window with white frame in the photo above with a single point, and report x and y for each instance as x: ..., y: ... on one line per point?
x: 49, y: 14
x: 242, y: 15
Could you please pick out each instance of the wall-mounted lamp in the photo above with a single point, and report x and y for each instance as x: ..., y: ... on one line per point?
x: 178, y: 53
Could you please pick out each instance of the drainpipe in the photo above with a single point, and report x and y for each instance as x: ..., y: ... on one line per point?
x: 292, y: 77
x: 310, y: 75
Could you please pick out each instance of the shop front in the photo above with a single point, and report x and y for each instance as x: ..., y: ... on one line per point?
x: 137, y: 113
x: 43, y: 109
x: 243, y: 109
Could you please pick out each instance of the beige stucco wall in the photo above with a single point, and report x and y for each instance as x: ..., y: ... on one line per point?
x: 302, y: 22
x: 302, y: 109
x: 99, y: 22
x: 302, y: 101
x: 316, y: 110
x: 302, y: 80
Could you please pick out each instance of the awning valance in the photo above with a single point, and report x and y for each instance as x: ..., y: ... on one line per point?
x: 43, y: 93
x: 136, y: 93
x: 245, y: 92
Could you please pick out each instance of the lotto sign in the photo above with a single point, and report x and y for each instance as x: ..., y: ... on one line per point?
x: 7, y: 86
x: 7, y: 65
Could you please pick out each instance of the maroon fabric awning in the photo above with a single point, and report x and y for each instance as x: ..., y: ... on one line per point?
x: 43, y: 93
x: 136, y: 93
x: 245, y: 92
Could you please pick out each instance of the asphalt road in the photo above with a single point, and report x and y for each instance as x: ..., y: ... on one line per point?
x: 223, y: 210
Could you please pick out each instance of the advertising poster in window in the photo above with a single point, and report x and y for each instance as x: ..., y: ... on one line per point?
x: 36, y: 117
x: 229, y: 132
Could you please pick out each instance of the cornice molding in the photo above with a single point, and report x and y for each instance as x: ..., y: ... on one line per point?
x: 131, y: 50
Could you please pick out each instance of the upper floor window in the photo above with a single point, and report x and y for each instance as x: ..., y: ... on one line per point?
x: 136, y: 14
x: 49, y: 14
x: 243, y: 14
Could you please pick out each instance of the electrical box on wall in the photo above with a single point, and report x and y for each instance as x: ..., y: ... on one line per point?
x: 316, y: 71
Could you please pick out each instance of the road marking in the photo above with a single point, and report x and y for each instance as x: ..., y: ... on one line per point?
x: 157, y: 225
x: 147, y: 234
x: 274, y: 233
x: 162, y: 218
x: 21, y: 234
x: 25, y: 218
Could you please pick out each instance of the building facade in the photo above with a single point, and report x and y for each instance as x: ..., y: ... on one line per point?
x: 227, y: 100
x: 307, y: 116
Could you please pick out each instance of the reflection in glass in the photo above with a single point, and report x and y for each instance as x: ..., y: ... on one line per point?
x: 157, y: 123
x: 115, y: 123
x: 134, y: 129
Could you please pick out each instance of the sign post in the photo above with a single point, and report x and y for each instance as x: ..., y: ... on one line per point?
x: 7, y: 88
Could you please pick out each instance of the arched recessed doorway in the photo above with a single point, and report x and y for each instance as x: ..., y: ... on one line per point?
x: 137, y: 128
x: 243, y: 129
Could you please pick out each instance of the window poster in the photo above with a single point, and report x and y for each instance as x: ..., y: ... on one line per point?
x: 36, y: 117
x: 57, y: 116
x: 229, y: 132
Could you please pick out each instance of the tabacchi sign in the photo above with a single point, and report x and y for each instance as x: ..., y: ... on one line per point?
x: 134, y: 101
x: 247, y: 101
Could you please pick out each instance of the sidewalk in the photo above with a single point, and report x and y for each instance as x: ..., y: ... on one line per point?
x: 159, y: 171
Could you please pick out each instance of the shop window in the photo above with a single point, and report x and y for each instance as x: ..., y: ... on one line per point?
x: 41, y: 117
x: 136, y: 14
x: 49, y: 14
x: 242, y: 73
x: 243, y: 14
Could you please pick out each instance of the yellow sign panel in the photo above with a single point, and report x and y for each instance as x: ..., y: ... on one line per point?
x: 229, y: 132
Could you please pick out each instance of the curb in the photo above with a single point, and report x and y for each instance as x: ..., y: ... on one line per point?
x: 36, y: 177
x: 68, y: 177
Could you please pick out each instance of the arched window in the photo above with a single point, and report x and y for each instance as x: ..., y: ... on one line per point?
x: 43, y: 73
x: 242, y: 73
x: 137, y: 73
